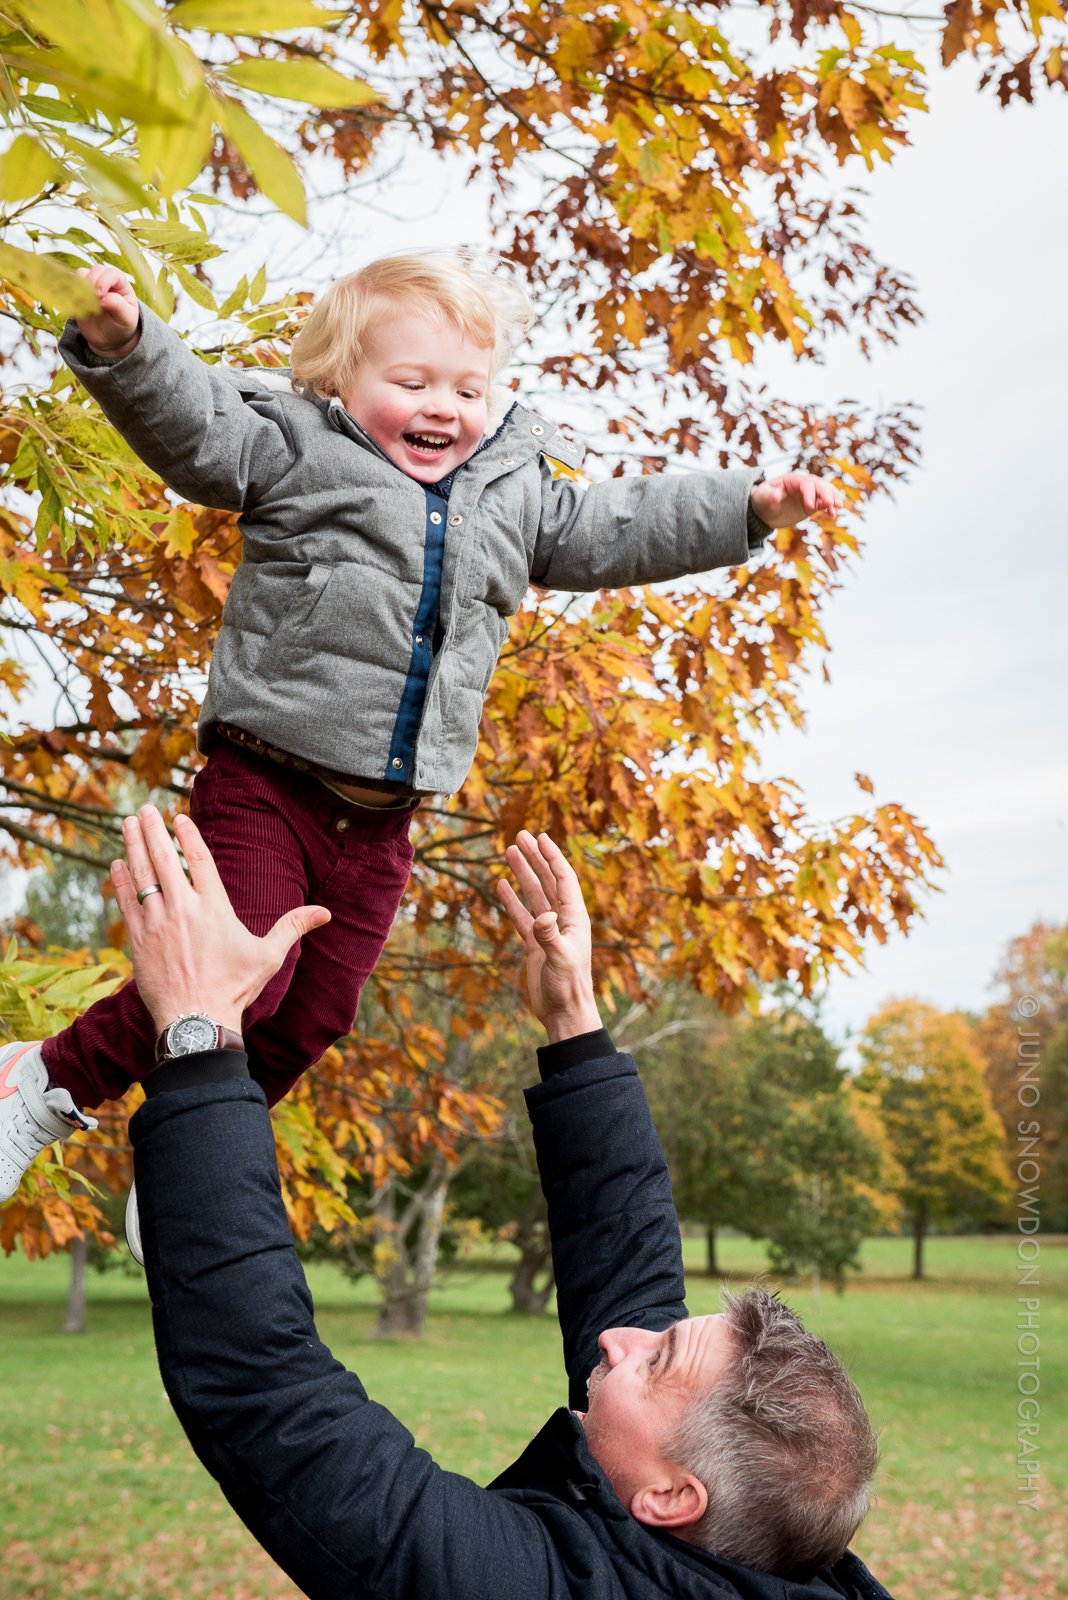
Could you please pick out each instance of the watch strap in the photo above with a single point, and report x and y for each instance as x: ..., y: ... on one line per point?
x: 225, y: 1039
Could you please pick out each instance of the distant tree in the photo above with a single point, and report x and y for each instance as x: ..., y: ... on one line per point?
x: 833, y: 1167
x: 923, y: 1071
x: 1024, y: 1039
x: 762, y: 1132
x: 64, y: 905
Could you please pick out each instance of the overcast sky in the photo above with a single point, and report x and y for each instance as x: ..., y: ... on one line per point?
x: 948, y: 666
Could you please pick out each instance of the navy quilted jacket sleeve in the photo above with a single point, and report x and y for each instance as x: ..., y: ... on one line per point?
x: 616, y: 1248
x: 330, y: 1483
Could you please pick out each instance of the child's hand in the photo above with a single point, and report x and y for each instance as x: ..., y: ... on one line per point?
x: 115, y: 330
x: 781, y: 502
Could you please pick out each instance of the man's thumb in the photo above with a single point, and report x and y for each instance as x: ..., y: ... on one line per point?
x: 547, y: 928
x: 293, y: 926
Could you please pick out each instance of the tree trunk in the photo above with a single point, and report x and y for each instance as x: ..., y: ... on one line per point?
x: 413, y: 1253
x: 528, y: 1296
x: 711, y: 1264
x: 919, y: 1228
x: 74, y: 1321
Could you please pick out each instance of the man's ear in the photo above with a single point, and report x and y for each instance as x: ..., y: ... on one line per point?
x: 670, y: 1503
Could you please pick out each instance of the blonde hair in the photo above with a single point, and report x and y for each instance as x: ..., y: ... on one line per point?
x: 488, y: 306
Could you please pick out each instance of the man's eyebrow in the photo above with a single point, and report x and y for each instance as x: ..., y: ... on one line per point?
x: 670, y: 1347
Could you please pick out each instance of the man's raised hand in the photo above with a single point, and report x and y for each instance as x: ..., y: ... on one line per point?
x: 190, y: 951
x: 550, y: 918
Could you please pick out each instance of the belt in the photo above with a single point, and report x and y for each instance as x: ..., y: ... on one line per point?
x: 404, y: 797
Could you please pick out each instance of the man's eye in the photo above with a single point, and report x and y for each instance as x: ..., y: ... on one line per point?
x: 654, y: 1361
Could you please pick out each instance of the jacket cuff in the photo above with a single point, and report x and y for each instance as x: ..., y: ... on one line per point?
x: 756, y: 528
x: 77, y: 352
x: 554, y: 1058
x: 193, y: 1071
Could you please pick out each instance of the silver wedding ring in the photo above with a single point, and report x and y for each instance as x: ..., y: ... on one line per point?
x: 149, y: 888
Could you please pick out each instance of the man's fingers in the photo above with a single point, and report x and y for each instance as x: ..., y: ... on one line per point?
x: 203, y: 873
x: 125, y: 893
x: 141, y: 868
x: 517, y: 914
x: 565, y: 879
x: 531, y: 874
x: 162, y: 854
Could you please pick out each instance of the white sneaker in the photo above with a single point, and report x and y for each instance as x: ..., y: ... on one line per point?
x: 32, y: 1116
x: 133, y: 1227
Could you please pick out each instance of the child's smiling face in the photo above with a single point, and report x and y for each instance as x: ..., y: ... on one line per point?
x: 421, y: 393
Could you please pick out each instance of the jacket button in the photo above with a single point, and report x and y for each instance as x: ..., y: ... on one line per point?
x: 435, y: 516
x: 537, y: 428
x: 507, y: 462
x: 454, y: 522
x: 341, y: 824
x: 419, y: 638
x: 397, y: 762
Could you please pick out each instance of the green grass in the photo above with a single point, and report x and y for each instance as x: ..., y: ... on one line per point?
x: 105, y: 1501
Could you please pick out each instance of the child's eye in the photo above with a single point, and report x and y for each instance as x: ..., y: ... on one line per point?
x: 411, y: 385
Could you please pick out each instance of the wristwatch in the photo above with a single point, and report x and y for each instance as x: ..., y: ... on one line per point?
x: 193, y: 1032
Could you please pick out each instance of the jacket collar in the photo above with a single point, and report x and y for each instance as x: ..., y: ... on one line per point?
x: 557, y: 1463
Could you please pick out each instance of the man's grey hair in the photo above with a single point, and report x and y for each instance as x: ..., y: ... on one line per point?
x: 782, y: 1444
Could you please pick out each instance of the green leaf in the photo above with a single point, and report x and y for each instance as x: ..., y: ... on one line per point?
x: 274, y: 170
x: 25, y: 169
x: 254, y: 19
x: 174, y: 241
x: 707, y: 242
x: 49, y: 515
x: 200, y: 293
x: 311, y: 82
x: 49, y: 282
x: 258, y: 286
x: 51, y: 109
x: 236, y: 298
x: 113, y: 177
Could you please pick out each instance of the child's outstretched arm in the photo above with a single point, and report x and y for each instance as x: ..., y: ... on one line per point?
x: 649, y: 529
x: 215, y: 436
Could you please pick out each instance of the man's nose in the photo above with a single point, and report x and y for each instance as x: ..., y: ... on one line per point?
x: 617, y: 1343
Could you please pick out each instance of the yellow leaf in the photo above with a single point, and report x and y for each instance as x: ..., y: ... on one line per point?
x: 102, y: 88
x: 273, y: 169
x: 25, y: 168
x: 254, y: 19
x: 171, y: 156
x: 851, y: 28
x: 48, y: 281
x: 311, y: 82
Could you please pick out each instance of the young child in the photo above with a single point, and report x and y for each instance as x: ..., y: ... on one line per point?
x: 394, y: 507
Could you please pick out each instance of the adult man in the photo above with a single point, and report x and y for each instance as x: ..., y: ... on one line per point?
x: 639, y: 1495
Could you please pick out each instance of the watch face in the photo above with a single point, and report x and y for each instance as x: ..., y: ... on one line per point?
x: 190, y: 1034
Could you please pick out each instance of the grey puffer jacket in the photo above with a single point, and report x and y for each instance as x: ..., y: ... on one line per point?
x: 316, y: 644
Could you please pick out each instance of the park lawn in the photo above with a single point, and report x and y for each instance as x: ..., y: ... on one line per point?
x: 104, y: 1500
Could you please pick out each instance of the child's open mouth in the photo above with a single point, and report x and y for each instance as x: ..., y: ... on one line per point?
x: 427, y: 444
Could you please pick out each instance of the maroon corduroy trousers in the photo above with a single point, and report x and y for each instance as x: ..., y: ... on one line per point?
x: 280, y: 839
